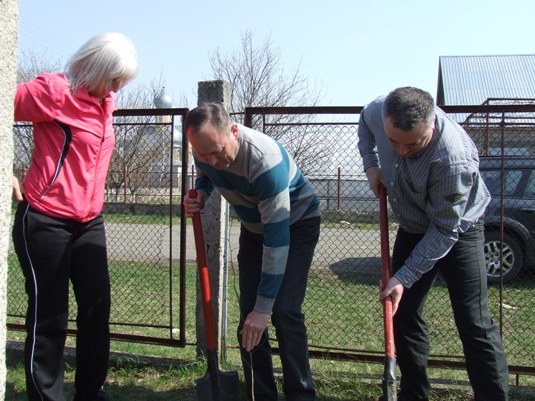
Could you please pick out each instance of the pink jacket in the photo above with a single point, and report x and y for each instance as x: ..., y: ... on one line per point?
x: 73, y: 143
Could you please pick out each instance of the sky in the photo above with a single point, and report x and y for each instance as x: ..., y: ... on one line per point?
x: 352, y: 50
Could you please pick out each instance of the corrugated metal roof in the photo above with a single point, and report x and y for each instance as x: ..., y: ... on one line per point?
x: 471, y: 80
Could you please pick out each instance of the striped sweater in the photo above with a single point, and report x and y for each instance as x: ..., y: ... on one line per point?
x: 269, y: 193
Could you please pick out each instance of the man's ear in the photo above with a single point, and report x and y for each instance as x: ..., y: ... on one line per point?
x: 235, y: 131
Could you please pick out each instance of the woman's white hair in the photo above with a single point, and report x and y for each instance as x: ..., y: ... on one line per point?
x: 102, y: 59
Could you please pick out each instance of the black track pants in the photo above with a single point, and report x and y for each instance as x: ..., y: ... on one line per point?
x: 53, y: 252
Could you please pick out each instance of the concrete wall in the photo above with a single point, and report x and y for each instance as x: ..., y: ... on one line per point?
x: 8, y: 72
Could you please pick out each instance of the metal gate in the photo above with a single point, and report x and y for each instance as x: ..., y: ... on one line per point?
x: 145, y: 235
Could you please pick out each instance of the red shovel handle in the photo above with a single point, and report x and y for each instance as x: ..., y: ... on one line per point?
x: 385, y: 258
x: 204, y: 280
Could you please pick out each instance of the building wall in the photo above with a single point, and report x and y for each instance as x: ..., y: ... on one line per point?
x: 8, y: 72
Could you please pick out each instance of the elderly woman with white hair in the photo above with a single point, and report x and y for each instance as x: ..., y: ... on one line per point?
x: 58, y: 230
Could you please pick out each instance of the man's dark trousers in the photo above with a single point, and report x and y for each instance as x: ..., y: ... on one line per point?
x: 287, y: 317
x: 463, y: 269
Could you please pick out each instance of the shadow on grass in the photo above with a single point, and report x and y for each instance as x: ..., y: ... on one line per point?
x: 142, y: 393
x: 118, y: 392
x: 136, y: 378
x: 361, y: 270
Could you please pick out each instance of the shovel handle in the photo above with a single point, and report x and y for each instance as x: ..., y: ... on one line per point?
x: 204, y: 281
x: 386, y: 273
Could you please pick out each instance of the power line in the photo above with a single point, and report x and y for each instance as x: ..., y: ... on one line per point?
x: 42, y: 40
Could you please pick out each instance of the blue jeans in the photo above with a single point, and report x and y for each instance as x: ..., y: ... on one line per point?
x: 464, y: 272
x: 287, y: 317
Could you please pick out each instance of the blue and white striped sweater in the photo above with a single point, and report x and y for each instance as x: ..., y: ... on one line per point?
x: 268, y: 193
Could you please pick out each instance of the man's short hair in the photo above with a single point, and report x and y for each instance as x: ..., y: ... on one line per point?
x: 408, y: 106
x: 213, y: 113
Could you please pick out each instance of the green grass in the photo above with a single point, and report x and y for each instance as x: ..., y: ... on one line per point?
x: 342, y: 310
x: 141, y: 219
x: 126, y: 381
x: 131, y: 380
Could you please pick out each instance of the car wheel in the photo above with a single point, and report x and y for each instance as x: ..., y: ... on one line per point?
x: 512, y: 258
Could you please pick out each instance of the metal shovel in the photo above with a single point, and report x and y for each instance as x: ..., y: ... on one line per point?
x: 214, y: 385
x: 389, y: 375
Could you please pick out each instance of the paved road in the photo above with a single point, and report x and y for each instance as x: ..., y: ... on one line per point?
x: 339, y: 249
x: 151, y: 241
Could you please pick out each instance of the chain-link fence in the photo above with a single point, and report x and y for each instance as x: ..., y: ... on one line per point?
x: 146, y: 237
x: 144, y: 232
x: 342, y: 310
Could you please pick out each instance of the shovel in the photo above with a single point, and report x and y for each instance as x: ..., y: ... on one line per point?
x: 389, y: 375
x: 214, y: 385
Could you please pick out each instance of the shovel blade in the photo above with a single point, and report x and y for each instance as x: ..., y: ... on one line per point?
x: 229, y: 387
x: 389, y: 381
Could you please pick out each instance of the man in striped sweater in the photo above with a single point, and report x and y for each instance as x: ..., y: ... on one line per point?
x: 430, y: 168
x: 280, y: 222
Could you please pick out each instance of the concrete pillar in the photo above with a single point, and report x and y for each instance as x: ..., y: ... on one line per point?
x: 215, y: 218
x: 9, y: 19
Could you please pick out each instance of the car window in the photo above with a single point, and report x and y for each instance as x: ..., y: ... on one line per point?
x: 493, y: 182
x: 530, y: 187
x: 512, y: 178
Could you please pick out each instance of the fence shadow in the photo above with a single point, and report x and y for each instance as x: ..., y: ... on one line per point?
x: 118, y: 392
x: 357, y: 269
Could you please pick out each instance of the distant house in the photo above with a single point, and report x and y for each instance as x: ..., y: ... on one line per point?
x: 472, y: 80
x: 499, y: 79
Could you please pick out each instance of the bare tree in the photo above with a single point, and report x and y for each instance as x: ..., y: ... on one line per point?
x: 30, y: 66
x: 258, y: 79
x: 143, y: 144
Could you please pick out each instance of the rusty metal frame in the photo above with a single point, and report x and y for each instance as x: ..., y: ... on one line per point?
x: 171, y: 340
x: 348, y: 354
x: 317, y: 351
